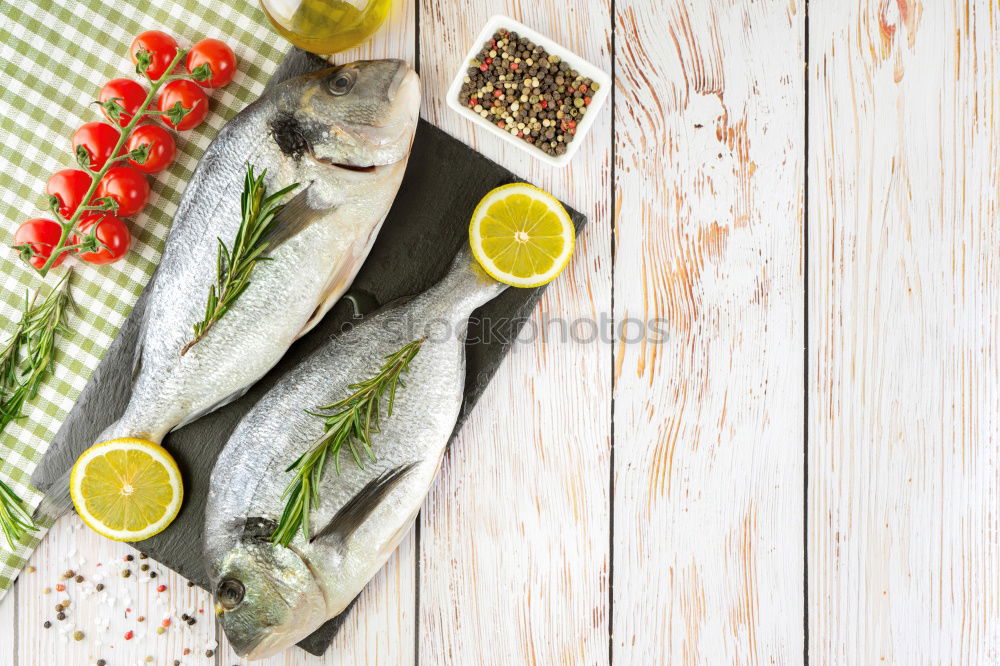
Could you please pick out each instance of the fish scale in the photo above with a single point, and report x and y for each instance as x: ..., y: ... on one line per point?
x: 364, y: 511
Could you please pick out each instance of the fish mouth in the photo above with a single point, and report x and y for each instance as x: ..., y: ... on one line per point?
x: 369, y: 168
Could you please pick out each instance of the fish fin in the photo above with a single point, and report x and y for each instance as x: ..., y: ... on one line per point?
x: 211, y: 408
x: 342, y: 279
x: 294, y: 217
x: 358, y: 508
x: 339, y: 282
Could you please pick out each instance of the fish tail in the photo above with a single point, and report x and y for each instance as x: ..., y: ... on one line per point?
x: 54, y: 503
x: 464, y: 287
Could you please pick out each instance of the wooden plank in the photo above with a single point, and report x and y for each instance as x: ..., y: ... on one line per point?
x: 708, y: 565
x: 904, y: 192
x: 514, y: 536
x: 8, y: 627
x: 105, y: 616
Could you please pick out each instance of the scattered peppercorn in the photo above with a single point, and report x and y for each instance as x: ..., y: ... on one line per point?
x: 129, y: 558
x: 46, y: 624
x: 161, y: 588
x: 60, y: 587
x: 209, y: 653
x: 47, y: 590
x: 143, y: 556
x: 160, y: 630
x: 153, y: 574
x: 191, y: 621
x: 79, y: 579
x: 126, y: 573
x: 68, y: 574
x: 65, y: 603
x: 77, y: 635
x: 522, y: 89
x: 59, y: 608
x: 184, y: 617
x: 141, y: 618
x: 60, y: 616
x: 129, y: 635
x: 101, y: 662
x: 100, y: 586
x: 143, y: 567
x: 177, y: 662
x: 190, y: 583
x: 30, y: 569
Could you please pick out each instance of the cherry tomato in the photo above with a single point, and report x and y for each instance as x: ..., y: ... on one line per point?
x: 111, y: 231
x: 129, y: 94
x: 43, y: 235
x: 191, y: 96
x: 99, y: 139
x: 127, y: 186
x: 162, y: 50
x: 218, y: 56
x: 69, y: 186
x: 161, y: 148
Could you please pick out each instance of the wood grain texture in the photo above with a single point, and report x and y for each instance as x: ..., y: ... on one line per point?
x: 514, y: 536
x: 8, y: 628
x: 904, y: 191
x: 709, y: 423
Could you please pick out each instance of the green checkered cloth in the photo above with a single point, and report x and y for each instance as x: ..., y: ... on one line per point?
x: 55, y: 56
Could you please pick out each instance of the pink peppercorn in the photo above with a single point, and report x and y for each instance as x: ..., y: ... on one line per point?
x: 129, y: 635
x: 513, y: 65
x: 166, y: 622
x: 161, y: 588
x: 586, y: 101
x: 483, y: 67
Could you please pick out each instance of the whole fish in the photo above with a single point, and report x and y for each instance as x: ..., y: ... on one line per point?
x: 343, y: 134
x: 270, y: 596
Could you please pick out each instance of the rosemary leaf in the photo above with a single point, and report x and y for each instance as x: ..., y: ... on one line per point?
x: 234, y: 266
x: 25, y: 361
x: 349, y: 422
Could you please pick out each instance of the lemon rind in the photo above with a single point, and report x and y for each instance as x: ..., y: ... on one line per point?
x: 127, y: 444
x: 475, y: 240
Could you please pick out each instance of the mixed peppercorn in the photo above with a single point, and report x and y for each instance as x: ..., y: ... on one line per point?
x: 524, y: 90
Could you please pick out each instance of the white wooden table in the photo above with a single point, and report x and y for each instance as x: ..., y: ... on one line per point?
x: 806, y: 469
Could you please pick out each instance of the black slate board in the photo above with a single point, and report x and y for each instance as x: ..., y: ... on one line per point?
x: 427, y: 225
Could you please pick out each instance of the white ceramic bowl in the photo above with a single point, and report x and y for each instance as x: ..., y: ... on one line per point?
x: 576, y: 62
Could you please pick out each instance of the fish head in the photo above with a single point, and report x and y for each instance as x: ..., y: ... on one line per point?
x: 359, y: 116
x: 266, y: 598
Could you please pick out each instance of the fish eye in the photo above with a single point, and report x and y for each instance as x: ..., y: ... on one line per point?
x: 342, y: 82
x: 230, y: 593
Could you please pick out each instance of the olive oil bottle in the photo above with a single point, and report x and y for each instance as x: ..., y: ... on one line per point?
x: 326, y: 26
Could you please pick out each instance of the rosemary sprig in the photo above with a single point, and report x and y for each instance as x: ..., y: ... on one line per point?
x: 353, y: 422
x: 235, y: 266
x: 14, y: 517
x: 28, y: 354
x: 24, y: 362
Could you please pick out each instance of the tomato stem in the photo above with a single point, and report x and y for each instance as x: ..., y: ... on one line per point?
x: 96, y: 174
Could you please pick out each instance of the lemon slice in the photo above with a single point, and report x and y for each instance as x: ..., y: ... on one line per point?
x: 126, y: 489
x: 521, y: 235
